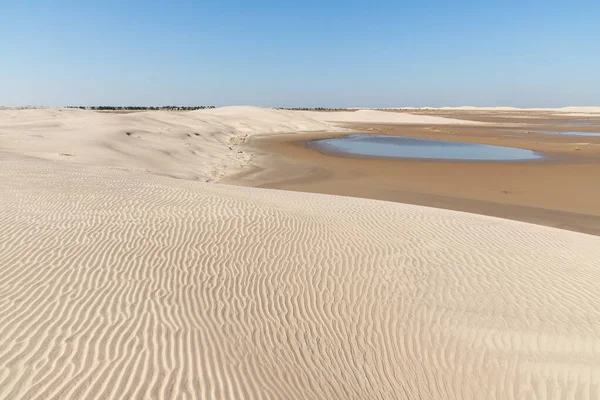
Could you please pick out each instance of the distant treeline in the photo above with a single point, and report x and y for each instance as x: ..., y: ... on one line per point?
x: 311, y: 109
x: 140, y: 108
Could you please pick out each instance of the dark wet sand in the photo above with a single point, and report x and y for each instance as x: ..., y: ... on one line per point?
x: 562, y: 190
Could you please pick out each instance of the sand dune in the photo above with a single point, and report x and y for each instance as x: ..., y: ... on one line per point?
x: 581, y: 110
x: 124, y: 285
x: 383, y: 117
x: 117, y: 282
x: 197, y: 145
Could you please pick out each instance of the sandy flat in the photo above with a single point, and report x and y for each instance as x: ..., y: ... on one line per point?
x: 558, y: 190
x: 117, y: 281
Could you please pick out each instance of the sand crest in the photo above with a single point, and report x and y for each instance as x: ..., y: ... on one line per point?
x: 199, y: 145
x: 571, y: 110
x: 383, y: 117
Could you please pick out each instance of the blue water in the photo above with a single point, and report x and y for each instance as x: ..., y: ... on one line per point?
x: 582, y: 123
x: 414, y: 148
x: 570, y: 133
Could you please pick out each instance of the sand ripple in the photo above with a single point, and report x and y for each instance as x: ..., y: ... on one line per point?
x: 117, y: 284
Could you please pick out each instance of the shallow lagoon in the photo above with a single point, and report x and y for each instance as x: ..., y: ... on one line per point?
x: 416, y: 148
x: 570, y: 133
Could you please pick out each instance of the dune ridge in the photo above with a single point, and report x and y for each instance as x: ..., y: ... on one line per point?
x: 573, y: 110
x: 383, y: 117
x: 118, y: 284
x: 198, y: 145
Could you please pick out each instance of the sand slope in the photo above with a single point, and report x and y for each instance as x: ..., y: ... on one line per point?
x: 383, y: 117
x: 560, y: 110
x: 119, y: 284
x: 197, y: 145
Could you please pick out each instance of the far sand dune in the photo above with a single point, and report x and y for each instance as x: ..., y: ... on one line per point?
x: 559, y: 110
x: 116, y: 283
x: 383, y: 117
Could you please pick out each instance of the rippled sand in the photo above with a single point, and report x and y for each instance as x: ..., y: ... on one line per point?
x: 119, y: 283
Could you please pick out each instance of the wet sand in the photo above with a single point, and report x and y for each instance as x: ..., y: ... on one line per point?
x: 559, y: 191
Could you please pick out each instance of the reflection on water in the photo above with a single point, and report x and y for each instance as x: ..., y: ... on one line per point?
x: 408, y: 147
x: 582, y: 123
x: 570, y: 133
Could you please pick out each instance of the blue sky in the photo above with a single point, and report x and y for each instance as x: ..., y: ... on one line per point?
x: 311, y: 53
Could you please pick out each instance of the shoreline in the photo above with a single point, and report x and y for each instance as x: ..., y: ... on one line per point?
x: 523, y: 190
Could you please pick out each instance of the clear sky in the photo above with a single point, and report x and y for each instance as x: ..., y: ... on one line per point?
x: 333, y: 53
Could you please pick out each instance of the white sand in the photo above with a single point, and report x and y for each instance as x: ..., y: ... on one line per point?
x: 119, y: 283
x: 193, y: 145
x: 582, y: 110
x: 383, y: 117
